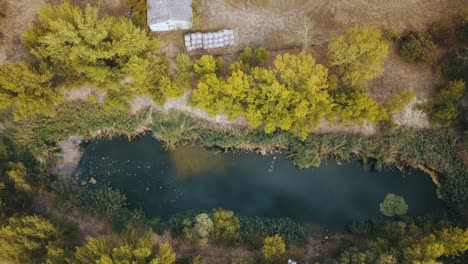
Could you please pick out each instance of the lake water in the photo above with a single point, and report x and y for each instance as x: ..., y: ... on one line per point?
x: 165, y: 182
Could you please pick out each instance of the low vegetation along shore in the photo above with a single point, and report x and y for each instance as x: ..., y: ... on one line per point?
x: 269, y: 103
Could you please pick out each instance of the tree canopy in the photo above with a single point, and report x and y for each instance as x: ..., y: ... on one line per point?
x: 358, y: 54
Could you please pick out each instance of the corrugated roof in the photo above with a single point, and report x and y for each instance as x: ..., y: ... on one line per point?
x: 163, y: 10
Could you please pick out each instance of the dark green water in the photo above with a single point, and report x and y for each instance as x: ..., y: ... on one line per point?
x: 165, y: 182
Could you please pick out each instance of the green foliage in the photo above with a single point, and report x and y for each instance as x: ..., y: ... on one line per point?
x: 273, y: 247
x: 26, y: 90
x: 18, y: 174
x: 133, y: 246
x: 358, y: 55
x: 226, y: 226
x: 399, y: 100
x: 39, y: 134
x: 254, y: 229
x: 454, y: 65
x: 104, y: 200
x: 393, y: 205
x: 249, y: 59
x: 417, y: 47
x: 358, y: 107
x: 184, y: 74
x: 26, y: 240
x: 110, y: 52
x: 445, y: 108
x: 138, y: 9
x: 397, y: 242
x: 201, y: 227
x: 165, y: 255
x: 205, y: 65
x: 169, y: 88
x: 198, y: 260
x: 174, y: 128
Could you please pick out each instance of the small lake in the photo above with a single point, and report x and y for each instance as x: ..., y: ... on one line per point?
x: 162, y: 183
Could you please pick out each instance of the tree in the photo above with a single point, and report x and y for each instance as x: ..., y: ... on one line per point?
x: 26, y: 239
x: 393, y: 205
x: 446, y: 107
x: 273, y: 247
x: 226, y: 226
x: 165, y: 255
x: 454, y: 239
x: 109, y: 52
x: 201, y: 229
x: 18, y: 174
x: 132, y: 246
x: 184, y: 74
x: 399, y: 100
x: 417, y: 47
x: 205, y: 65
x: 358, y: 55
x: 27, y: 91
x: 169, y: 88
x: 358, y: 107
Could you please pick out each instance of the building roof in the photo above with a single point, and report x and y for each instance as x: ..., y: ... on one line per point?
x: 164, y: 10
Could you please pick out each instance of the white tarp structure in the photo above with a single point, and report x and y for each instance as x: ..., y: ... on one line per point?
x: 209, y: 40
x: 165, y: 15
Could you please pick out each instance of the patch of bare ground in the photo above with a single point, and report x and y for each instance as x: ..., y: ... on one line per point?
x: 277, y: 23
x: 181, y: 104
x: 20, y: 13
x: 90, y: 225
x: 83, y: 93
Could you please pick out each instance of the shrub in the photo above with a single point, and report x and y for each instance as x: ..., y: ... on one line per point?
x: 417, y: 47
x: 226, y: 226
x: 254, y: 229
x: 446, y: 108
x: 198, y: 260
x: 399, y: 100
x: 273, y: 247
x: 393, y: 205
x: 103, y: 200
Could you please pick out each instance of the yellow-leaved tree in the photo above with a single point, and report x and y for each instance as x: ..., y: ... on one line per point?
x: 358, y: 55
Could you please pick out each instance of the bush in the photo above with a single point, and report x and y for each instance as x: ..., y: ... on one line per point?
x: 273, y: 247
x: 226, y: 226
x: 445, y: 109
x: 417, y: 47
x: 399, y: 100
x: 103, y: 200
x: 393, y: 205
x: 254, y: 229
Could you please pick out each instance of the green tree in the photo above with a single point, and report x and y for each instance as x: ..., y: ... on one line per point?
x: 226, y: 226
x: 358, y: 107
x: 26, y: 239
x: 201, y: 228
x: 169, y: 88
x: 273, y: 247
x: 358, y: 54
x: 18, y: 174
x: 417, y: 47
x: 165, y: 255
x: 27, y: 91
x: 393, y: 205
x: 109, y: 52
x: 454, y: 239
x: 446, y: 107
x: 184, y: 74
x: 399, y: 100
x: 205, y: 65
